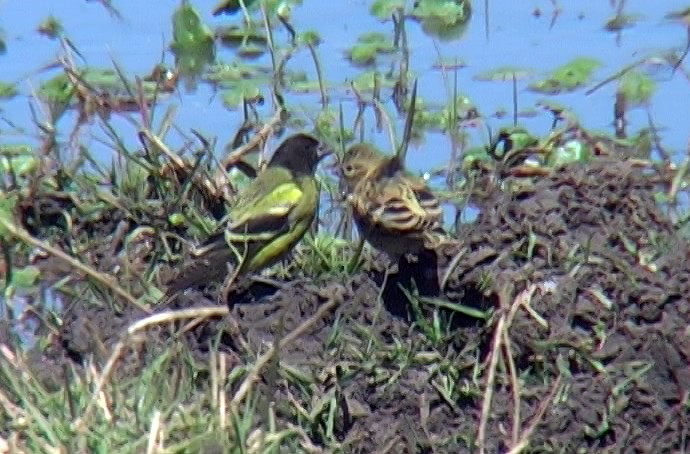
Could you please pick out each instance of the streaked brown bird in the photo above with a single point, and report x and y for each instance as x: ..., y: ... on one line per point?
x: 394, y: 211
x: 270, y: 217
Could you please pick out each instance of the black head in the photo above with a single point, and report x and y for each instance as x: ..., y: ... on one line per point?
x: 300, y: 153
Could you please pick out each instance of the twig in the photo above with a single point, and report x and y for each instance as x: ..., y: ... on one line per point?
x: 522, y: 444
x: 514, y: 384
x: 264, y: 359
x: 409, y: 124
x: 490, y: 380
x: 238, y: 153
x: 134, y: 328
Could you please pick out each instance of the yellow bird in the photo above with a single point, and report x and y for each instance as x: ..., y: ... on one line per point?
x: 394, y: 211
x: 270, y: 217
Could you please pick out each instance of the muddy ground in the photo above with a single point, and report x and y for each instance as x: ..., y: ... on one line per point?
x: 587, y: 278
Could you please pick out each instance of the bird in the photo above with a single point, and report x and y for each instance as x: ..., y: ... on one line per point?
x: 394, y: 211
x: 268, y: 219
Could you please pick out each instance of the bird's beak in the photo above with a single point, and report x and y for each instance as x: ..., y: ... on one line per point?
x: 324, y: 151
x: 334, y: 167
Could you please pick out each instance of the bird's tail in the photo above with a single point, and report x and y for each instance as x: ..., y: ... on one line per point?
x: 437, y: 237
x: 211, y: 263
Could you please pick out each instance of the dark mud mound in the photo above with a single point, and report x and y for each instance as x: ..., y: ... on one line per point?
x: 587, y: 350
x: 595, y: 285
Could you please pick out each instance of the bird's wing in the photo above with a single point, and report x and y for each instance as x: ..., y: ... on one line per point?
x: 266, y: 216
x: 298, y: 221
x: 393, y: 206
x: 391, y: 172
x: 425, y: 198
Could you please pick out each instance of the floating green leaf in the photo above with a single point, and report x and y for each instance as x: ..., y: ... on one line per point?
x: 234, y: 36
x: 228, y: 75
x: 309, y: 38
x: 444, y: 19
x: 368, y: 47
x: 7, y: 91
x: 503, y: 73
x: 568, y: 77
x: 250, y: 51
x: 188, y: 29
x: 368, y: 80
x: 192, y: 61
x: 636, y: 87
x: 60, y: 88
x: 244, y: 90
x: 384, y: 9
x: 50, y: 27
x: 297, y: 81
x: 621, y: 21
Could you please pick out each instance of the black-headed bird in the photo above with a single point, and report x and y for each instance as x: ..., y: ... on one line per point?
x: 394, y: 211
x: 268, y: 219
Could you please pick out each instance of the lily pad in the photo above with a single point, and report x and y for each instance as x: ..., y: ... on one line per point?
x: 189, y: 32
x: 234, y: 36
x: 251, y: 51
x: 50, y: 27
x: 503, y: 73
x: 622, y: 21
x: 309, y: 38
x: 7, y: 91
x: 568, y: 77
x: 449, y: 64
x: 368, y: 47
x: 244, y: 90
x: 367, y: 81
x: 636, y: 87
x: 191, y: 61
x: 444, y: 19
x: 298, y: 82
x: 192, y: 43
x: 60, y: 88
x: 384, y: 9
x: 227, y: 75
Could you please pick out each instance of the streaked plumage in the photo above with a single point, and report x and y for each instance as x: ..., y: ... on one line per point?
x: 394, y: 211
x: 270, y: 217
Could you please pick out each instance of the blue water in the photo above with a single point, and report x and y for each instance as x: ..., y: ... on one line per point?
x: 514, y: 37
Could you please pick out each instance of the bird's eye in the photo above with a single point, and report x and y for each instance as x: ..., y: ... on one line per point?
x: 348, y: 169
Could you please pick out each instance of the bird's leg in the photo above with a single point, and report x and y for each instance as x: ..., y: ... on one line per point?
x: 227, y: 286
x: 355, y: 258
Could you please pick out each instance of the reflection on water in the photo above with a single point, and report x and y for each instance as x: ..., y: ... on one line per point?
x: 23, y: 313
